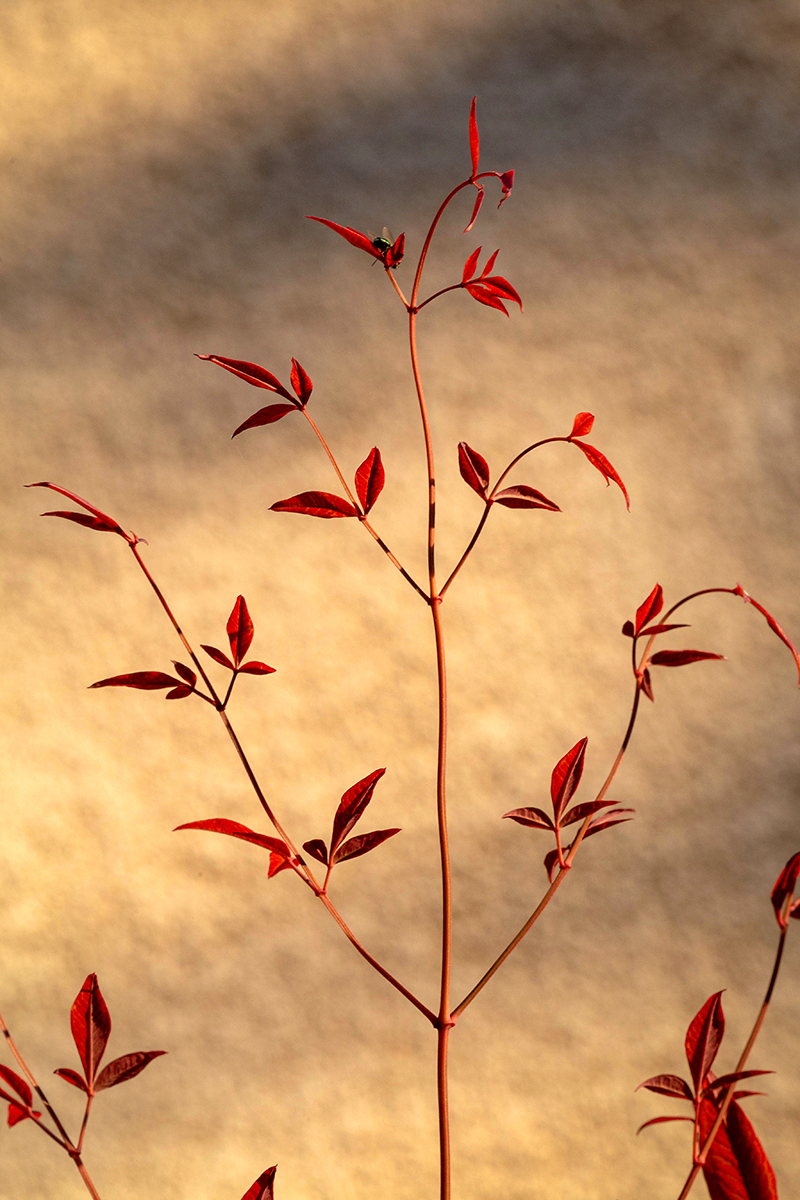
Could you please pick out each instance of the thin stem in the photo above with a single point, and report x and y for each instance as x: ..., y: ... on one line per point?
x: 454, y: 287
x: 84, y: 1123
x: 701, y: 1156
x: 559, y: 879
x: 468, y: 551
x: 362, y: 516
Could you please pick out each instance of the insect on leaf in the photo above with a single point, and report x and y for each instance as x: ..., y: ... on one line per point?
x: 604, y: 467
x: 522, y: 496
x: 351, y: 807
x: 91, y: 1025
x: 566, y: 777
x: 265, y: 416
x: 474, y: 469
x: 370, y: 478
x: 125, y: 1068
x: 251, y: 373
x: 316, y: 504
x: 649, y: 608
x: 359, y: 240
x: 239, y: 630
x: 703, y: 1039
x: 148, y: 681
x: 474, y: 140
x: 354, y: 847
x: 262, y: 1188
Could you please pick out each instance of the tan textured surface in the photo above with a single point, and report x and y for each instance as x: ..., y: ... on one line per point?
x: 157, y: 163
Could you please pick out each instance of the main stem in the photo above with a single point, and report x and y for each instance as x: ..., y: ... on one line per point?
x: 444, y: 1022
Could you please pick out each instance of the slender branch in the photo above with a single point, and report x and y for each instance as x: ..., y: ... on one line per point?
x: 454, y: 287
x: 559, y: 879
x: 468, y: 551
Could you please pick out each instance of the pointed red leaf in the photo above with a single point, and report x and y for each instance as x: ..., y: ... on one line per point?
x: 474, y: 469
x: 318, y: 850
x: 661, y: 1121
x: 773, y: 624
x: 724, y: 1081
x: 370, y: 478
x: 72, y: 1077
x: 239, y: 630
x: 646, y: 685
x: 103, y: 524
x: 262, y: 1188
x: 103, y: 521
x: 234, y: 829
x: 474, y: 140
x: 506, y: 182
x: 185, y: 672
x: 254, y: 667
x: 351, y: 807
x: 522, y: 496
x: 737, y: 1167
x: 581, y: 811
x: 218, y: 656
x: 566, y: 777
x: 470, y: 266
x: 501, y: 287
x: 681, y: 658
x: 125, y: 1068
x: 649, y: 608
x: 277, y: 862
x: 653, y: 630
x: 17, y: 1114
x: 301, y: 383
x: 265, y: 416
x: 354, y: 847
x: 91, y: 1026
x: 582, y: 425
x: 147, y: 681
x: 179, y: 693
x: 604, y: 467
x: 627, y: 629
x: 316, y: 504
x: 607, y: 819
x: 485, y: 296
x: 533, y: 818
x: 359, y: 240
x: 487, y: 270
x: 476, y: 209
x: 18, y: 1084
x: 251, y: 373
x: 784, y: 888
x: 668, y: 1085
x: 703, y: 1039
x: 394, y: 255
x: 551, y: 864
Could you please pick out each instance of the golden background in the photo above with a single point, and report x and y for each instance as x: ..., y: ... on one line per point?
x: 158, y: 160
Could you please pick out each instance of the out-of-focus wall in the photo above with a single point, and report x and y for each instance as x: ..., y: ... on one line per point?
x: 157, y: 163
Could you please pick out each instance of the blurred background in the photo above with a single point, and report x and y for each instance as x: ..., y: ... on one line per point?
x: 158, y: 161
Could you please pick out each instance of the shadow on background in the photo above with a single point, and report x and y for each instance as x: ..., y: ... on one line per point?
x: 159, y: 165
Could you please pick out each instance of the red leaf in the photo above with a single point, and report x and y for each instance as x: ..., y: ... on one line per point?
x: 773, y: 624
x: 522, y: 496
x: 104, y: 522
x: 185, y: 672
x: 649, y: 608
x: 301, y: 383
x: 125, y: 1068
x: 703, y: 1039
x: 262, y: 1188
x: 234, y: 829
x: 17, y: 1114
x: 239, y: 630
x: 551, y: 863
x: 218, y: 656
x: 470, y: 266
x: 179, y: 693
x: 474, y: 140
x: 581, y: 811
x: 277, y: 863
x: 254, y: 667
x: 91, y: 1026
x: 485, y: 296
x: 474, y: 469
x: 72, y: 1077
x: 661, y: 1121
x: 627, y: 629
x: 652, y: 630
x: 646, y: 685
x: 737, y: 1167
x: 394, y: 255
x: 318, y: 850
x: 370, y: 478
x: 489, y: 264
x: 476, y: 209
x: 356, y: 846
x: 265, y: 416
x: 784, y: 888
x: 607, y: 819
x: 316, y: 504
x: 501, y: 287
x: 566, y: 777
x: 681, y: 658
x: 359, y: 240
x: 351, y: 807
x: 18, y: 1084
x: 534, y: 818
x: 582, y: 425
x: 147, y: 681
x: 507, y: 182
x: 668, y: 1085
x: 251, y: 373
x: 724, y: 1081
x: 604, y: 467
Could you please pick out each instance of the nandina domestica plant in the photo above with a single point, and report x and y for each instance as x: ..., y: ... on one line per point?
x: 722, y: 1134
